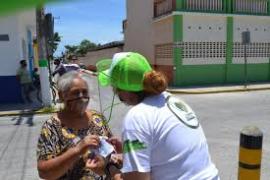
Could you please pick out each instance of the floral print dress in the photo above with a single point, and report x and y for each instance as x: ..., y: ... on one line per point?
x: 55, y: 138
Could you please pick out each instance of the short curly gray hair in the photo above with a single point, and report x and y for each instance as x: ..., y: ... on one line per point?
x: 64, y: 83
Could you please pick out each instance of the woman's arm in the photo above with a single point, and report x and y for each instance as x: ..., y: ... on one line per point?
x: 58, y: 166
x: 136, y: 175
x: 116, y: 175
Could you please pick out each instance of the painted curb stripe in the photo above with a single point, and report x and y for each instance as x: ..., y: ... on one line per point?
x: 249, y: 166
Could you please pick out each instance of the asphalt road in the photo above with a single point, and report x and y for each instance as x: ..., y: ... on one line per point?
x: 221, y: 115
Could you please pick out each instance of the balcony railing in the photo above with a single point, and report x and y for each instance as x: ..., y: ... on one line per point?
x: 250, y: 6
x: 204, y: 5
x: 257, y: 7
x: 163, y: 7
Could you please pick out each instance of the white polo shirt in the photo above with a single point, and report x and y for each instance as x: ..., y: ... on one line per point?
x: 156, y: 140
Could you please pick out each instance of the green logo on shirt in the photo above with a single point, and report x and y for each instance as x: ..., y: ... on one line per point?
x: 133, y: 146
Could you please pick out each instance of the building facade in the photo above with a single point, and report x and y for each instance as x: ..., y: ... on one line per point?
x: 200, y: 41
x: 16, y: 43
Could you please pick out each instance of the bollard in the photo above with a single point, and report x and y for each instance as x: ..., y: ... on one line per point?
x: 250, y: 153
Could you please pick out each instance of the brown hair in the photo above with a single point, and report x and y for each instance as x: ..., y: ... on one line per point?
x: 154, y: 82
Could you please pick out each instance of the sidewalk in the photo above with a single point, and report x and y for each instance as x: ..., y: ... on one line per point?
x: 19, y: 109
x: 219, y: 89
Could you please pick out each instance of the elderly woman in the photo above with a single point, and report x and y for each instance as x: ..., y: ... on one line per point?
x: 66, y: 138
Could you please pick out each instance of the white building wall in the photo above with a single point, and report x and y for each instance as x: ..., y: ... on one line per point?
x: 27, y: 21
x: 9, y: 50
x: 204, y: 28
x: 259, y: 28
x: 12, y: 51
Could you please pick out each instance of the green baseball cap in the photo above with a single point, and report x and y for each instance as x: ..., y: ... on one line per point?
x: 125, y: 71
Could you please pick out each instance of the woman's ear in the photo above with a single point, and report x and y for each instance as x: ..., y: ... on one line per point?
x: 61, y: 96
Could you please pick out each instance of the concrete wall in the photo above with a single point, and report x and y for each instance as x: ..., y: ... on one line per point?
x: 163, y: 34
x: 139, y: 32
x: 143, y: 33
x: 92, y: 57
x: 259, y: 28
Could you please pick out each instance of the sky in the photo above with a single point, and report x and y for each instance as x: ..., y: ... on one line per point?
x: 99, y: 21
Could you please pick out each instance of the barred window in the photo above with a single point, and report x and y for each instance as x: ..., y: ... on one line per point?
x: 164, y: 51
x: 203, y: 49
x: 4, y: 37
x: 253, y: 50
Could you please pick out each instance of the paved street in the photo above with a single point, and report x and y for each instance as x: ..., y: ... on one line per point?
x: 17, y: 147
x: 222, y: 117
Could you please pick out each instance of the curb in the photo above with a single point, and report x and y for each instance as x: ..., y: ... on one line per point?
x: 221, y: 90
x: 28, y: 112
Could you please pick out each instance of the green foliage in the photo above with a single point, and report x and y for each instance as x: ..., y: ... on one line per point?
x: 56, y: 41
x: 81, y: 49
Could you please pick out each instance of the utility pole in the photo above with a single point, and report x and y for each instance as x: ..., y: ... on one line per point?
x: 42, y: 55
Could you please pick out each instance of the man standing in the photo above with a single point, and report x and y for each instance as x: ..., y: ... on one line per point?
x: 24, y: 78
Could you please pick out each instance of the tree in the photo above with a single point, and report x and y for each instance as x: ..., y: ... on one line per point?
x: 81, y: 49
x: 56, y: 41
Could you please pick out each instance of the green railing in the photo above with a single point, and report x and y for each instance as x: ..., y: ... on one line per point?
x: 255, y: 7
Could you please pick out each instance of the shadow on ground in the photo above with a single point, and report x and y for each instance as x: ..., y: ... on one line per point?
x: 19, y: 120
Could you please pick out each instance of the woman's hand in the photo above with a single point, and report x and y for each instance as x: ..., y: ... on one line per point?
x: 96, y: 164
x: 117, y: 159
x: 117, y: 143
x: 90, y: 141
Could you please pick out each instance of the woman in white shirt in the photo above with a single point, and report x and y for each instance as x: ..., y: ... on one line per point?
x: 161, y: 136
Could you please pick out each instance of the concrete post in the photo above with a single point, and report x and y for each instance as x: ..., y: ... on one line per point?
x: 42, y: 55
x: 250, y: 153
x: 45, y: 83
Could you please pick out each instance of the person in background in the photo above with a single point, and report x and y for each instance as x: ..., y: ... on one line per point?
x: 162, y: 138
x: 36, y: 83
x: 62, y: 68
x: 69, y: 138
x: 24, y: 78
x: 59, y: 68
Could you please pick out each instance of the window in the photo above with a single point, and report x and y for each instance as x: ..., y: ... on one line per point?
x: 4, y: 37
